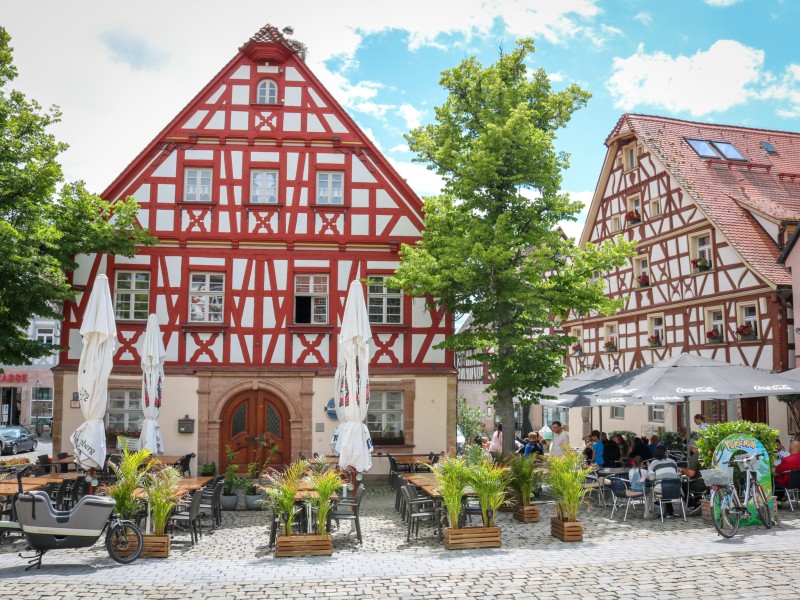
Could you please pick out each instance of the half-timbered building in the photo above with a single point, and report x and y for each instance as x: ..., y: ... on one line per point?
x: 711, y: 207
x: 267, y: 200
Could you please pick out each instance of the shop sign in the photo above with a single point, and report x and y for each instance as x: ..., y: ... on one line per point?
x: 14, y: 377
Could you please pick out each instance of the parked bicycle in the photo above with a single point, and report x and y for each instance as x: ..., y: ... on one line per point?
x: 726, y: 508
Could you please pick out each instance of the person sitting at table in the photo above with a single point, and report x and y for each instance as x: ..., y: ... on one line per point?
x: 696, y: 484
x: 519, y: 443
x: 662, y: 468
x: 612, y: 453
x: 639, y: 449
x: 653, y: 444
x: 534, y: 446
x: 597, y: 449
x: 587, y: 451
x: 637, y: 475
x: 624, y: 449
x: 789, y: 463
x: 780, y: 452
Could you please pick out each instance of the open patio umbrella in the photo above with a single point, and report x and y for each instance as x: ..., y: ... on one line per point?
x: 99, y: 333
x: 152, y: 355
x: 570, y: 383
x: 682, y: 378
x: 351, y: 440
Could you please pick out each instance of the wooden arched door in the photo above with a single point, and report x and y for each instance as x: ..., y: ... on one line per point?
x: 255, y: 424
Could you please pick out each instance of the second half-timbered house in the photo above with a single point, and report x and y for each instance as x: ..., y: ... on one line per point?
x: 711, y: 207
x: 267, y: 200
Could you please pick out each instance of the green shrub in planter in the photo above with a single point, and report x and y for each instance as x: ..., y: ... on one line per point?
x: 712, y: 435
x: 208, y: 469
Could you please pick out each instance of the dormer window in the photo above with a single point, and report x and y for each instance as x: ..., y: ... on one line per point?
x: 630, y: 157
x: 267, y: 92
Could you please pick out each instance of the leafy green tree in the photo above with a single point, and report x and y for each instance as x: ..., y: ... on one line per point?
x: 42, y: 228
x: 492, y: 246
x: 469, y: 419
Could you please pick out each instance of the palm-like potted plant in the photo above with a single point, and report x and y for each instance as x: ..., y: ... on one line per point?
x: 161, y: 488
x: 281, y: 490
x: 324, y: 481
x: 489, y: 484
x: 233, y: 483
x: 566, y: 476
x: 129, y: 476
x: 451, y: 478
x: 525, y: 476
x: 250, y: 487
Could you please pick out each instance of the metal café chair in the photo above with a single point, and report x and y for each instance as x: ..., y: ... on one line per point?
x: 792, y: 488
x: 621, y: 492
x: 670, y: 493
x: 417, y: 509
x: 348, y: 510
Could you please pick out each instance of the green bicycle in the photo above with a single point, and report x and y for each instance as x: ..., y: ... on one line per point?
x: 726, y: 508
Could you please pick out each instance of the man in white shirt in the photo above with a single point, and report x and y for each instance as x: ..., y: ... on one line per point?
x: 559, y: 443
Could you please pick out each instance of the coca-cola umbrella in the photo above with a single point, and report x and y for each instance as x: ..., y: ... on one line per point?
x: 683, y: 378
x: 570, y: 383
x: 97, y: 358
x: 152, y: 355
x: 351, y: 440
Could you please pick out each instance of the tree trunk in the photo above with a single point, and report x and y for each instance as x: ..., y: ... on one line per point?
x: 504, y: 407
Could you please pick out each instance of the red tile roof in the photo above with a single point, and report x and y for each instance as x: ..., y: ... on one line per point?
x: 726, y: 191
x: 269, y: 34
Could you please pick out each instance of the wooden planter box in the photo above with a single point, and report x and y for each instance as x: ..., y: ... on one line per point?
x: 705, y: 512
x: 304, y: 545
x: 566, y: 531
x: 472, y: 537
x: 155, y: 546
x: 526, y: 514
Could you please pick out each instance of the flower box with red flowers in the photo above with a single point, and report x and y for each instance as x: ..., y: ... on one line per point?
x: 714, y: 336
x: 576, y: 348
x: 746, y: 332
x: 644, y: 280
x: 701, y: 264
x: 610, y: 345
x: 633, y: 216
x: 654, y: 340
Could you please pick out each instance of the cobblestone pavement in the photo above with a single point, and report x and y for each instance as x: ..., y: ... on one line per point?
x: 642, y: 559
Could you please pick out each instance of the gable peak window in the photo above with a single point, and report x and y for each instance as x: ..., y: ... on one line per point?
x: 267, y: 92
x: 330, y: 187
x: 197, y: 185
x: 264, y: 187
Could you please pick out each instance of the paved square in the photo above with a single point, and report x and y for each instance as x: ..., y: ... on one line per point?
x: 642, y: 559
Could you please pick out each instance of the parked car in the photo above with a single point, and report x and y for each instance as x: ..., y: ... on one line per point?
x: 17, y: 439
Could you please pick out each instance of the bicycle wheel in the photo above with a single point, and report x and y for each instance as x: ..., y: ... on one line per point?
x: 725, y: 512
x: 124, y: 542
x: 762, y: 506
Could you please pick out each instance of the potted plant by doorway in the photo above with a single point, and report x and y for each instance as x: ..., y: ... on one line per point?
x: 525, y: 476
x: 565, y: 476
x: 161, y: 489
x: 250, y: 487
x: 229, y: 499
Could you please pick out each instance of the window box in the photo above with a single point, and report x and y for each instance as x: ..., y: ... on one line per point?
x: 746, y: 332
x: 388, y: 439
x: 644, y: 280
x: 633, y: 217
x: 610, y: 346
x: 701, y: 264
x: 714, y: 337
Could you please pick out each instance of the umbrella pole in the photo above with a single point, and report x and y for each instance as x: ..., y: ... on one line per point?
x: 686, y: 408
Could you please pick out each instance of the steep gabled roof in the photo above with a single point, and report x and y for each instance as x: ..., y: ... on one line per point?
x: 727, y: 191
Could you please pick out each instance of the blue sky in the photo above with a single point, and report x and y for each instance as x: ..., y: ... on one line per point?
x: 120, y: 72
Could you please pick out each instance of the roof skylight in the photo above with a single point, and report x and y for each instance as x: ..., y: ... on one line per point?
x: 703, y: 148
x: 714, y: 149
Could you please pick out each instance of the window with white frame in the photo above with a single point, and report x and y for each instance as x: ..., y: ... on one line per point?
x: 748, y: 321
x: 45, y: 336
x: 385, y: 414
x: 700, y: 250
x: 617, y: 412
x: 264, y: 187
x: 267, y: 92
x: 656, y: 413
x: 206, y: 297
x: 655, y: 208
x: 655, y: 330
x: 330, y: 187
x: 385, y: 304
x: 311, y: 299
x: 124, y: 412
x: 616, y: 223
x: 197, y: 185
x: 611, y: 340
x: 634, y: 209
x: 131, y: 295
x: 641, y: 271
x: 577, y: 332
x: 715, y: 325
x: 630, y: 157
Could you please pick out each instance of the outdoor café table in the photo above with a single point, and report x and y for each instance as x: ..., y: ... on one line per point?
x: 412, y: 460
x: 419, y: 479
x: 51, y: 478
x: 166, y: 459
x: 10, y: 487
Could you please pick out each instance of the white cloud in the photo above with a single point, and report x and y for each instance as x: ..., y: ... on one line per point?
x: 643, y: 18
x: 787, y: 89
x: 709, y: 81
x: 410, y: 115
x: 721, y: 2
x: 421, y: 180
x: 400, y: 148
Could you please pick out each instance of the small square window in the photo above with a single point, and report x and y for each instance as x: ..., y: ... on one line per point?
x: 197, y: 185
x: 330, y: 188
x: 264, y: 187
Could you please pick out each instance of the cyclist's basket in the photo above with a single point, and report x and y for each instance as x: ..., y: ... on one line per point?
x: 717, y: 476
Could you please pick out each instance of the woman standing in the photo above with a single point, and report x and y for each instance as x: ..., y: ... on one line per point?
x: 496, y: 447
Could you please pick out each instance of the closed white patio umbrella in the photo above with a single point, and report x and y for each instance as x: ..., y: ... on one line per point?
x: 152, y: 354
x: 97, y: 357
x: 351, y: 440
